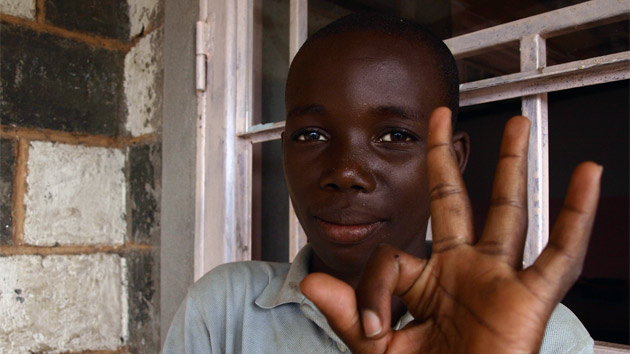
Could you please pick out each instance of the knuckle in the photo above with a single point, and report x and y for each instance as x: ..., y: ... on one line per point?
x: 494, y: 248
x: 447, y: 243
x: 562, y: 252
x: 436, y: 146
x: 509, y: 202
x: 443, y: 190
x: 574, y: 210
x: 510, y: 156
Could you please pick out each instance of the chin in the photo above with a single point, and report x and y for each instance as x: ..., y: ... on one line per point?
x: 343, y: 259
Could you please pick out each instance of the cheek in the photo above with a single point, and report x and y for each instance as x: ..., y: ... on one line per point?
x: 408, y: 191
x: 300, y: 172
x: 408, y: 174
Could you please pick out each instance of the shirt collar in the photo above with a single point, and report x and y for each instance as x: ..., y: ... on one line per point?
x: 286, y: 289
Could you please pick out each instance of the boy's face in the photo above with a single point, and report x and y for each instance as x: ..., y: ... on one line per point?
x: 354, y: 144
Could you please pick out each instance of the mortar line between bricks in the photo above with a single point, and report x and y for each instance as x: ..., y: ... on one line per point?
x: 19, y: 191
x: 150, y: 28
x: 12, y: 250
x: 121, y: 350
x: 40, y: 11
x: 106, y: 43
x: 7, y: 131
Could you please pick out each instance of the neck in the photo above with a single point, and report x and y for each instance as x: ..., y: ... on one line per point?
x: 398, y: 308
x: 350, y: 278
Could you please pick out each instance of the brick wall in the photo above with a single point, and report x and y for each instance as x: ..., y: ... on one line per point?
x: 80, y: 164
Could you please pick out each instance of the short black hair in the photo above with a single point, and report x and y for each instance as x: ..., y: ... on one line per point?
x: 398, y: 27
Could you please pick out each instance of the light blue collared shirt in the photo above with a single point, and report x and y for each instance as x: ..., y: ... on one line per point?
x: 257, y: 307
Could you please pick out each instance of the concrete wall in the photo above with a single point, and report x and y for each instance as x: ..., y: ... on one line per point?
x: 80, y: 175
x: 178, y: 172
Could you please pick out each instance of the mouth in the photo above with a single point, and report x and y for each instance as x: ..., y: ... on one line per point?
x: 349, y: 233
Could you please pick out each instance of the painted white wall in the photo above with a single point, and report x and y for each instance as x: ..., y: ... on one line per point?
x: 62, y: 303
x: 141, y: 14
x: 19, y: 8
x: 141, y: 84
x: 75, y: 195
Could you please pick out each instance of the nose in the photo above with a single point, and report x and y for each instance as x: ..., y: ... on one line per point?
x: 348, y: 174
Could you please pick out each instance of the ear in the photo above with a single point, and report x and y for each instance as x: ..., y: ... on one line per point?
x: 461, y: 144
x: 282, y: 142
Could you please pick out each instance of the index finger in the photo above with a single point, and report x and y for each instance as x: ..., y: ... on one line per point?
x: 451, y: 215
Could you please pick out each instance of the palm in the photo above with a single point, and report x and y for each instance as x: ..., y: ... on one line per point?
x: 468, y: 297
x: 463, y: 309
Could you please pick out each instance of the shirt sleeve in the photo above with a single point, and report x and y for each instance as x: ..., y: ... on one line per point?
x: 566, y: 334
x: 188, y: 332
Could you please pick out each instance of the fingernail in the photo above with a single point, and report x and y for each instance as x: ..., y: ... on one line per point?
x: 371, y: 323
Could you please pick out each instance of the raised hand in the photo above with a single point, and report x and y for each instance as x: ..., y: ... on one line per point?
x: 468, y: 297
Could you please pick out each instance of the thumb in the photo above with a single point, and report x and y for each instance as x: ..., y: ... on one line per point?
x: 337, y: 302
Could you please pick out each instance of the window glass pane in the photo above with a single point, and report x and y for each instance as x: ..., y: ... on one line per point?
x: 274, y: 229
x: 491, y: 63
x: 275, y: 58
x: 270, y: 200
x: 470, y: 16
x: 453, y: 18
x: 323, y: 12
x: 591, y: 123
x: 597, y: 41
x: 589, y: 43
x: 446, y: 18
x: 434, y: 14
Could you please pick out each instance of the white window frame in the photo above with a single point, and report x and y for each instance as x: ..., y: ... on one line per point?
x: 225, y: 132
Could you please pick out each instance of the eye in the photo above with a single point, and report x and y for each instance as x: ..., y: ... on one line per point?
x: 310, y: 135
x: 396, y: 136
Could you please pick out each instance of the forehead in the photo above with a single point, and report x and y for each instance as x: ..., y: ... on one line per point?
x: 366, y: 68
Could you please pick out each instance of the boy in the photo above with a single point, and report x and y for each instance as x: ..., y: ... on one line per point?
x: 368, y: 154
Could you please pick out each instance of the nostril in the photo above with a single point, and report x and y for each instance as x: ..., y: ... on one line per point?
x: 353, y: 177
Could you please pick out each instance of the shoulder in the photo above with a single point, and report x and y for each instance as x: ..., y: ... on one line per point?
x: 241, y: 271
x: 217, y: 305
x: 249, y: 277
x: 566, y: 334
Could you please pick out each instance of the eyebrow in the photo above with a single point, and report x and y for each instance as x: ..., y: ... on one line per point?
x: 402, y: 112
x: 389, y: 110
x: 303, y: 110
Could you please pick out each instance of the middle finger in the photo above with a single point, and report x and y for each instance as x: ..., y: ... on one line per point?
x: 505, y: 229
x: 451, y: 215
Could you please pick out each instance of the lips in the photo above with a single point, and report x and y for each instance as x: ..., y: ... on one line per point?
x: 348, y: 229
